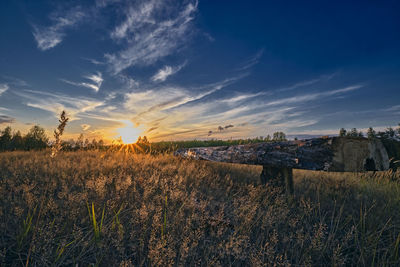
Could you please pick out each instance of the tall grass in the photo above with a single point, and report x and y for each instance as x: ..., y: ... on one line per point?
x: 160, y: 210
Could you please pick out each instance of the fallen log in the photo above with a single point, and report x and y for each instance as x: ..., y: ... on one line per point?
x: 279, y: 158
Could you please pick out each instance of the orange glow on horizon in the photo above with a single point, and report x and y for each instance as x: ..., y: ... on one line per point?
x: 129, y: 134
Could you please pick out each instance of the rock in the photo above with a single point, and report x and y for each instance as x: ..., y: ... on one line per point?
x: 328, y: 154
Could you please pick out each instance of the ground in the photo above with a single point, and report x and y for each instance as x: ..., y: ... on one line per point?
x: 109, y: 208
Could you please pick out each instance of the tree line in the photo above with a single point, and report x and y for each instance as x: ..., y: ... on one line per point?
x: 36, y: 139
x: 389, y: 133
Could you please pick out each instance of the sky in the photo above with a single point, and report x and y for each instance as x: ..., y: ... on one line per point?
x: 180, y: 70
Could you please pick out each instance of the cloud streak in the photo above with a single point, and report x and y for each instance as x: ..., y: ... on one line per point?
x: 3, y: 88
x: 47, y: 37
x: 96, y: 80
x: 149, y: 37
x: 6, y: 119
x: 163, y: 73
x: 55, y: 103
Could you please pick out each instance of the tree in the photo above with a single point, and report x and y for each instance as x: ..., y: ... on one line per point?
x: 390, y: 132
x: 353, y: 133
x: 17, y: 142
x: 94, y: 143
x: 342, y: 132
x: 279, y: 136
x: 87, y: 143
x: 144, y: 140
x: 79, y: 142
x: 371, y: 133
x: 36, y: 138
x: 100, y: 143
x: 5, y: 139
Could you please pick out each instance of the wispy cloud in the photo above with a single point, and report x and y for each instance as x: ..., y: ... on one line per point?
x: 312, y: 96
x: 10, y: 80
x: 149, y: 37
x: 307, y: 82
x: 392, y: 108
x: 94, y: 61
x: 147, y: 103
x: 250, y: 62
x: 49, y: 36
x: 55, y: 103
x: 163, y: 73
x: 3, y: 87
x: 96, y: 79
x: 252, y: 116
x: 6, y: 119
x: 85, y: 127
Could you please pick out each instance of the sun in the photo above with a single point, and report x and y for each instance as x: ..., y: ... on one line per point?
x: 129, y: 134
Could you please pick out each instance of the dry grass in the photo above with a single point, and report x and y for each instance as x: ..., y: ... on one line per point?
x: 163, y: 211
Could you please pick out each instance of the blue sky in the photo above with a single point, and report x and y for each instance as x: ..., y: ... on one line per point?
x: 187, y: 69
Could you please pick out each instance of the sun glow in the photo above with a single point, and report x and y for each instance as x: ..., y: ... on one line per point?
x: 129, y: 134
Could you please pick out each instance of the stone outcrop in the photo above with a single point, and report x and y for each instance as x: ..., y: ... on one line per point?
x: 328, y: 154
x: 280, y: 158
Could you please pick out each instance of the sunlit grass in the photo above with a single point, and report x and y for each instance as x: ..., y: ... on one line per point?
x: 117, y: 208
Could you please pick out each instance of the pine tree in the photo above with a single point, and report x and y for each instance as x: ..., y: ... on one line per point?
x: 5, y: 139
x: 353, y: 132
x: 17, y: 142
x: 390, y: 132
x: 342, y: 132
x: 371, y: 133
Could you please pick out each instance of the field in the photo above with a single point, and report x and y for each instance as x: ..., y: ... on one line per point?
x: 117, y: 209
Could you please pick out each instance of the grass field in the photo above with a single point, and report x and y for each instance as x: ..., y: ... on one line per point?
x: 116, y: 209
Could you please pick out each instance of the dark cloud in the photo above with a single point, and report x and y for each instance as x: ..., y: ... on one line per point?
x: 6, y: 119
x: 152, y: 129
x: 220, y: 128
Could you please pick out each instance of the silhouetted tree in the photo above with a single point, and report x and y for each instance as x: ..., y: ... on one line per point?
x: 93, y: 145
x: 342, y: 132
x: 87, y: 143
x: 5, y: 139
x: 279, y: 136
x: 353, y: 133
x: 371, y: 133
x: 390, y: 132
x: 36, y: 138
x: 144, y: 140
x: 17, y: 142
x: 79, y: 142
x: 100, y: 143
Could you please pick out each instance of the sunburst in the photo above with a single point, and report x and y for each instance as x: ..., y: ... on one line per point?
x: 129, y: 134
